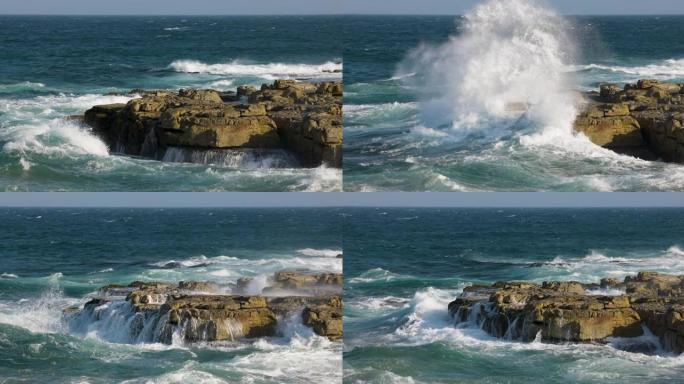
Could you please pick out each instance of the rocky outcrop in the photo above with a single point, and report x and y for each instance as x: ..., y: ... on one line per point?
x: 325, y: 320
x: 286, y: 282
x: 645, y: 119
x: 571, y: 311
x: 197, y: 311
x: 303, y: 118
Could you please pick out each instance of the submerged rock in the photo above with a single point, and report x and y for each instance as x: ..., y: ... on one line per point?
x: 565, y: 311
x: 645, y: 119
x: 300, y: 117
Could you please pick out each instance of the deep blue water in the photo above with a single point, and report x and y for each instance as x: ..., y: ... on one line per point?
x: 52, y: 258
x: 403, y: 119
x: 52, y: 67
x: 403, y: 267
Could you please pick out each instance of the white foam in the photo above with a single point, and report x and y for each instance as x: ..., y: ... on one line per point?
x: 664, y: 70
x: 510, y: 52
x: 605, y: 292
x: 596, y: 265
x: 382, y: 303
x: 427, y: 131
x: 321, y: 179
x: 222, y: 85
x: 38, y: 125
x: 257, y: 285
x: 16, y: 87
x: 40, y: 314
x: 436, y: 180
x: 377, y: 275
x: 181, y: 376
x: 238, y: 68
x: 299, y: 356
x: 221, y: 268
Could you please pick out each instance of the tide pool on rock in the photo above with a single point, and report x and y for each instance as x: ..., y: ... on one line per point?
x: 432, y: 295
x: 75, y: 63
x: 170, y: 295
x: 486, y: 101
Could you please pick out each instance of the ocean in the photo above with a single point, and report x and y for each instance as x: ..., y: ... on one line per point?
x: 51, y: 259
x: 403, y: 266
x: 55, y: 66
x: 426, y: 98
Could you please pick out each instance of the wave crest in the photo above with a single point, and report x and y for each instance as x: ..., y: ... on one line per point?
x: 238, y: 68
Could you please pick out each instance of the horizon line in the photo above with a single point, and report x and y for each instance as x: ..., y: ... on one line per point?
x: 343, y: 206
x: 310, y: 14
x: 340, y: 200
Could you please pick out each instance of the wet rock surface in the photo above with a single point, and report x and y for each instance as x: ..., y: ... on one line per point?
x: 645, y: 119
x: 301, y: 117
x: 576, y: 312
x: 192, y: 311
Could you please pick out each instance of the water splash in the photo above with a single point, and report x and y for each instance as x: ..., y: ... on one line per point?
x: 509, y: 61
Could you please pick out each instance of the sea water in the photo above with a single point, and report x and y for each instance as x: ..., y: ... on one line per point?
x: 486, y: 101
x: 52, y: 259
x: 53, y: 67
x: 404, y: 266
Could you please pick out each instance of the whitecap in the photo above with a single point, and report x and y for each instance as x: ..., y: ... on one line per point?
x: 238, y: 68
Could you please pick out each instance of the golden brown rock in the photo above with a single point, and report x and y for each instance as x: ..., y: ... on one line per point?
x: 564, y: 311
x: 304, y: 118
x: 643, y: 119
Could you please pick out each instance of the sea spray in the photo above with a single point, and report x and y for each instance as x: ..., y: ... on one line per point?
x: 509, y: 60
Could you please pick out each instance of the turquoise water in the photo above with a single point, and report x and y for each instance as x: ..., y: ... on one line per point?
x: 425, y: 99
x: 52, y: 258
x: 53, y: 67
x: 403, y: 266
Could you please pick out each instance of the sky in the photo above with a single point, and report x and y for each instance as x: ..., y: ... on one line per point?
x: 234, y: 7
x: 378, y: 199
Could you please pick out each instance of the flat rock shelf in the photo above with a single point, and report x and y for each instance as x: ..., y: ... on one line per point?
x: 570, y: 311
x: 645, y: 119
x: 300, y: 118
x: 196, y: 311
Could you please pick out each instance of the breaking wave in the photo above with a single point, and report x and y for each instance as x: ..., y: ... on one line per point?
x: 238, y: 68
x: 663, y: 70
x: 596, y: 265
x: 509, y: 61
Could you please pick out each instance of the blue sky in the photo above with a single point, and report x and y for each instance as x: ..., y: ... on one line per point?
x: 380, y: 199
x: 214, y: 7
